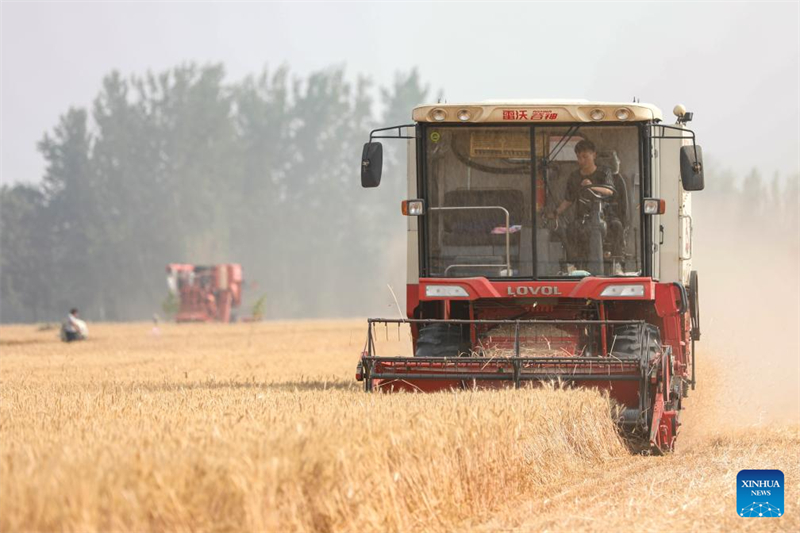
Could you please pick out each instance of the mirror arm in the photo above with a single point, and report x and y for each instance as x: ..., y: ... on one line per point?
x: 398, y: 136
x: 697, y: 166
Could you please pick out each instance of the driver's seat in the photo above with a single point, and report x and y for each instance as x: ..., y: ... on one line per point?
x: 619, y: 206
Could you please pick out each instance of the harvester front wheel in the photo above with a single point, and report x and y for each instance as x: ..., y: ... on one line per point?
x: 629, y: 344
x: 441, y: 340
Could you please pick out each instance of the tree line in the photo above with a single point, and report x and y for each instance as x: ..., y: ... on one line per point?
x: 184, y: 166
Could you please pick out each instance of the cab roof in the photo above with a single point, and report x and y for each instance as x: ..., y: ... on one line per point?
x: 537, y: 111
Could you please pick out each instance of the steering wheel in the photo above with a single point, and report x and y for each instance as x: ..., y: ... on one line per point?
x: 589, y: 188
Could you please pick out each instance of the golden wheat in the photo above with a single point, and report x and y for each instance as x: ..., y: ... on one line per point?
x: 261, y: 427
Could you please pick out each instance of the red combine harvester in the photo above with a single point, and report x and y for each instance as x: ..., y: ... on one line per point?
x: 206, y: 293
x: 548, y: 241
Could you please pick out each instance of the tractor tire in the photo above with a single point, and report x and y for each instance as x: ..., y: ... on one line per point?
x: 441, y: 340
x: 628, y: 344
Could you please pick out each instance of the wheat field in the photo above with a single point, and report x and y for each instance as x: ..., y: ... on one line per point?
x: 261, y: 427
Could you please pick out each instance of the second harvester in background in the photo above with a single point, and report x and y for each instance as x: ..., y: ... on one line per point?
x: 205, y: 293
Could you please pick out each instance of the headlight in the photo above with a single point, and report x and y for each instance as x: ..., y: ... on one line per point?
x: 438, y: 114
x: 464, y: 114
x: 654, y: 206
x: 412, y: 208
x: 445, y: 291
x: 624, y: 291
x: 597, y: 114
x: 623, y: 114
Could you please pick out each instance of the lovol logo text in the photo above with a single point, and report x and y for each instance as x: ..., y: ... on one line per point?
x: 541, y: 290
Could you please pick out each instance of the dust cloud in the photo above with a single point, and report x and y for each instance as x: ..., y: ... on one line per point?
x: 746, y: 253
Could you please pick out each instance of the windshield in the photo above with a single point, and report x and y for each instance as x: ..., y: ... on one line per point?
x: 495, y: 211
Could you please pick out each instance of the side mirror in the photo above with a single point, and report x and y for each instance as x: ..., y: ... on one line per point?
x: 692, y: 168
x: 371, y: 164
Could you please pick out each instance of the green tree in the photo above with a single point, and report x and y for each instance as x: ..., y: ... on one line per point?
x: 184, y: 166
x: 25, y: 242
x: 72, y: 202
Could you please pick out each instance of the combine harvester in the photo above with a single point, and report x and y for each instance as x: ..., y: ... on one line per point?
x: 206, y: 293
x: 548, y: 241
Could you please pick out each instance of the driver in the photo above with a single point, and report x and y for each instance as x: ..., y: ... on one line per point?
x: 588, y: 174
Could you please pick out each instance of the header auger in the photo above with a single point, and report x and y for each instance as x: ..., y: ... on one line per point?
x: 548, y: 241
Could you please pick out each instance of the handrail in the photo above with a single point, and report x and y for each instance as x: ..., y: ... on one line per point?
x: 472, y: 265
x: 508, y: 231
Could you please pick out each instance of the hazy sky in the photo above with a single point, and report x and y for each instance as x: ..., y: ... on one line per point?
x: 734, y: 64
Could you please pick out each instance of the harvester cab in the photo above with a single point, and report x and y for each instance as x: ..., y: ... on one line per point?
x: 205, y: 293
x: 548, y: 240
